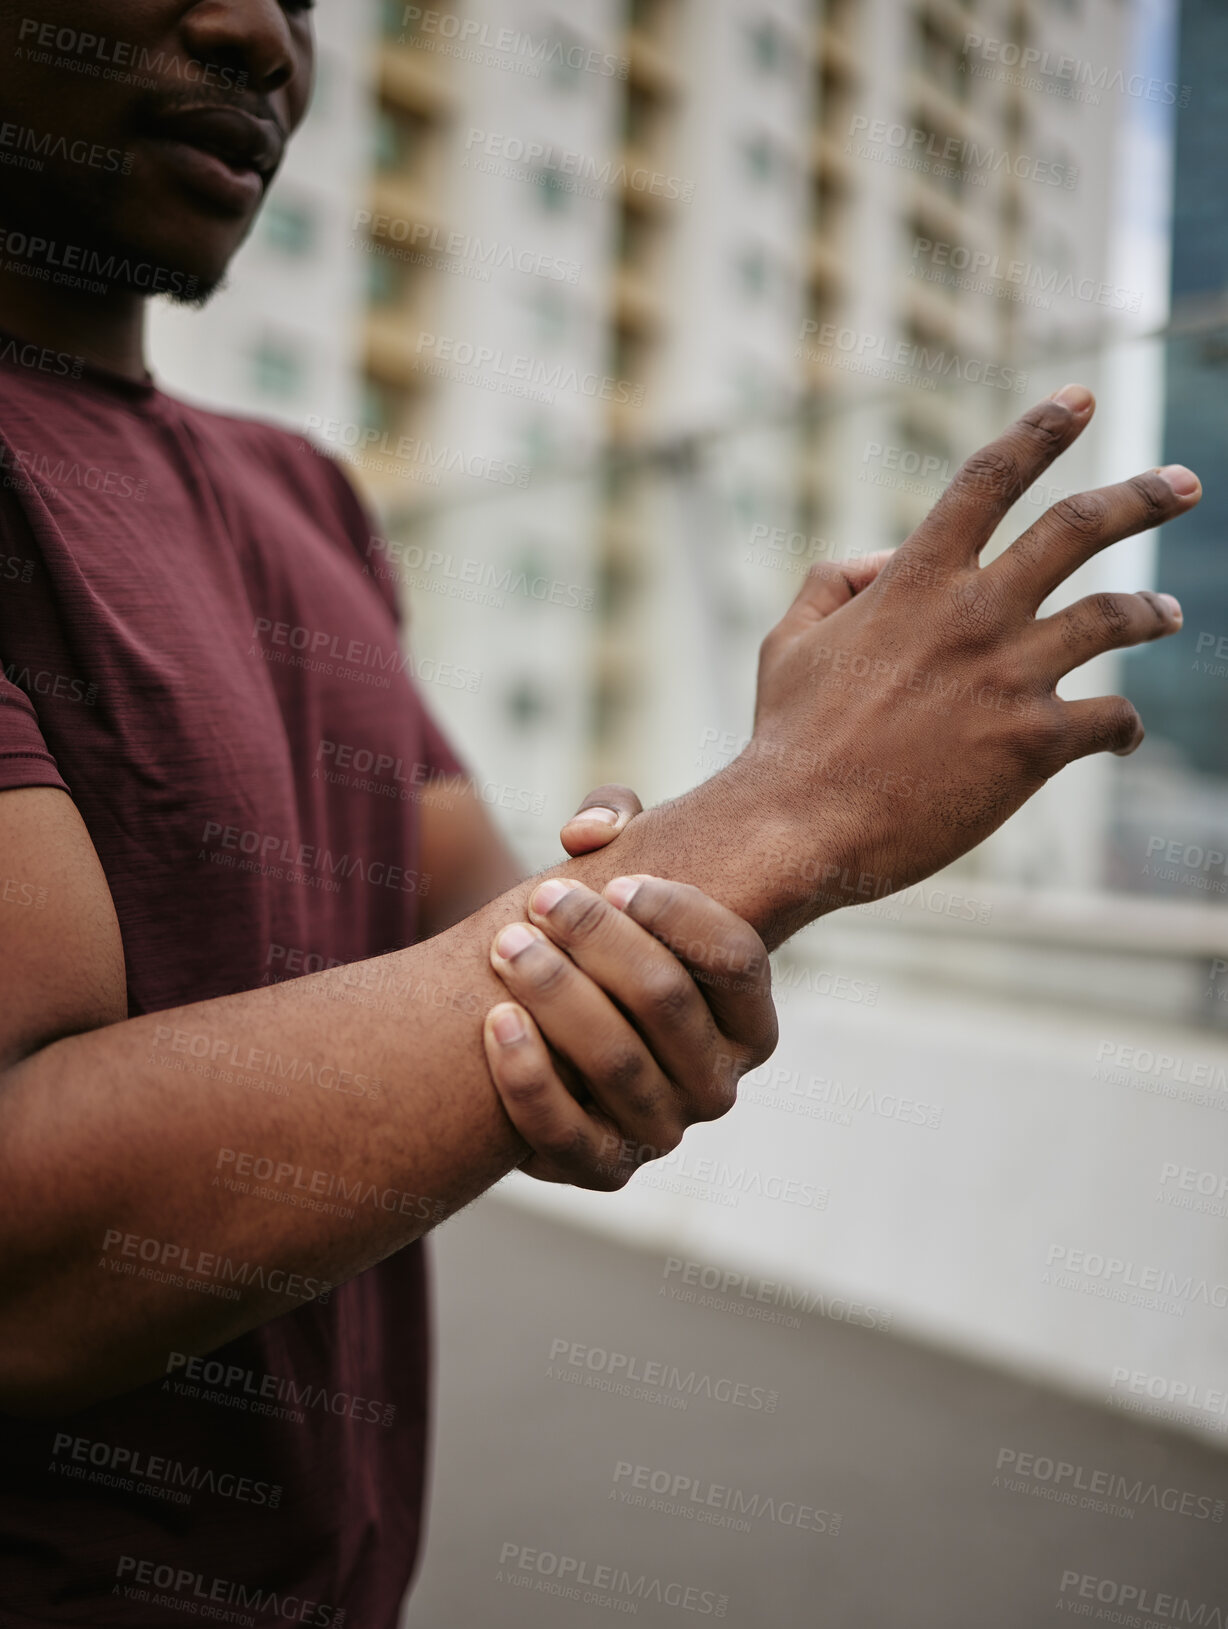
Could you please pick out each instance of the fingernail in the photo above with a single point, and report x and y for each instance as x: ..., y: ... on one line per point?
x: 1076, y: 397
x: 546, y: 897
x: 507, y: 1024
x: 622, y: 890
x: 1172, y: 606
x: 511, y: 941
x: 599, y: 814
x: 1183, y: 481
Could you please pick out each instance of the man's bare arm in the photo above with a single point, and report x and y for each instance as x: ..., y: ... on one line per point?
x: 853, y: 773
x: 125, y: 1144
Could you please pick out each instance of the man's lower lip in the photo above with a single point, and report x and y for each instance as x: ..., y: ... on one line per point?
x: 238, y: 191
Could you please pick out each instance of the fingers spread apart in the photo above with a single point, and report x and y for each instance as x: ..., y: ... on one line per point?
x: 1099, y: 623
x: 1074, y: 530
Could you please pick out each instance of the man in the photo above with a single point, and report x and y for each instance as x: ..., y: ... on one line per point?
x: 214, y: 1178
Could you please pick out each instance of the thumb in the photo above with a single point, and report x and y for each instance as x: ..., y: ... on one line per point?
x: 828, y: 586
x: 601, y: 816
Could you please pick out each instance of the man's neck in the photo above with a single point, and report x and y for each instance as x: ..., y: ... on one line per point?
x: 106, y: 330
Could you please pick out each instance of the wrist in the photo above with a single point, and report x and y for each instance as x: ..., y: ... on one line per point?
x: 811, y: 843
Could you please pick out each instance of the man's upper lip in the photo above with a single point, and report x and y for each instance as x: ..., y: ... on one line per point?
x: 242, y: 139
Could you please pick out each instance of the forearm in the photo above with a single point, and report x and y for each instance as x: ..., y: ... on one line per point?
x: 126, y: 1149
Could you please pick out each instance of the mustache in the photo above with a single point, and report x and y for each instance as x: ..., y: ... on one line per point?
x: 214, y: 98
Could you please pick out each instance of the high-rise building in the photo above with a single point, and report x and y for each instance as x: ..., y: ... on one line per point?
x: 625, y: 313
x: 1183, y: 685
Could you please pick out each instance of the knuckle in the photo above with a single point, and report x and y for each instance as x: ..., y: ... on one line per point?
x: 717, y: 1100
x: 1118, y: 723
x: 1154, y: 494
x: 977, y: 609
x: 545, y: 971
x: 523, y: 1092
x: 1047, y: 424
x: 581, y: 914
x: 1082, y: 515
x: 1113, y: 614
x: 622, y: 1070
x: 1043, y: 739
x: 992, y: 470
x: 669, y: 991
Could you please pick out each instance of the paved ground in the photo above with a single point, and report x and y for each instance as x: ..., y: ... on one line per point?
x: 901, y: 1443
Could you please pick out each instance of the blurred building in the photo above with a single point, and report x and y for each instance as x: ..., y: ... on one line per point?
x: 626, y: 313
x: 1192, y: 563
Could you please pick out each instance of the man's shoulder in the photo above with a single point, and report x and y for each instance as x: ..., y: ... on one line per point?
x: 281, y: 453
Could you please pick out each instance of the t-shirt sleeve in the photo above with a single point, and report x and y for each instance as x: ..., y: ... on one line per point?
x: 24, y: 757
x: 441, y: 760
x: 358, y: 525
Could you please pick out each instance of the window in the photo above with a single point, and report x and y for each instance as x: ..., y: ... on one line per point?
x: 379, y: 408
x: 769, y: 48
x: 566, y: 54
x: 753, y: 272
x: 384, y: 279
x: 525, y: 703
x: 289, y: 227
x: 759, y: 156
x: 552, y: 192
x: 277, y: 368
x: 400, y: 139
x: 552, y: 315
x: 396, y: 17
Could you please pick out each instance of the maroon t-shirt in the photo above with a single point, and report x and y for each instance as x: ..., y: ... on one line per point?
x: 194, y: 649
